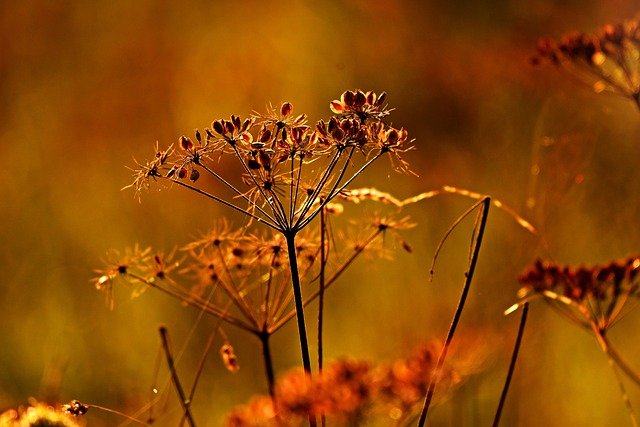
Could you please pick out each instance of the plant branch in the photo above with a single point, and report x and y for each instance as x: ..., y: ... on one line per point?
x: 486, y: 202
x: 512, y: 364
x: 174, y: 376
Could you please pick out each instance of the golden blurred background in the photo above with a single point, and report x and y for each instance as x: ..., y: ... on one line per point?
x: 87, y: 86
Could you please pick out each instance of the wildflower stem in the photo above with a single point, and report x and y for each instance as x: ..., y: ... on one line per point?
x: 174, y: 376
x: 118, y: 413
x: 610, y: 351
x: 280, y: 217
x: 297, y: 294
x: 512, y: 364
x: 224, y: 202
x: 238, y: 192
x: 335, y: 190
x: 623, y: 391
x: 486, y: 202
x: 264, y: 336
x: 321, y: 183
x: 201, y: 365
x: 198, y: 303
x: 329, y: 281
x: 322, y: 284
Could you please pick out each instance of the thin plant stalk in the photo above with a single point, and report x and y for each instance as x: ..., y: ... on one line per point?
x: 201, y: 365
x: 322, y: 287
x: 512, y: 364
x: 486, y: 204
x: 611, y: 352
x: 323, y: 419
x: 297, y: 294
x: 268, y: 362
x: 623, y: 391
x: 118, y: 413
x: 174, y: 376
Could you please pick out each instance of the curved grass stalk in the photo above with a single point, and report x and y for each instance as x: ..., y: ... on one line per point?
x: 486, y: 203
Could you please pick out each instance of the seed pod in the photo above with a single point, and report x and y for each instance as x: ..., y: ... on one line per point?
x: 186, y: 143
x: 236, y: 122
x: 182, y: 173
x: 286, y: 109
x: 198, y: 136
x: 360, y: 99
x: 348, y: 98
x: 194, y: 175
x: 265, y: 135
x: 371, y: 98
x: 218, y: 127
x: 381, y: 99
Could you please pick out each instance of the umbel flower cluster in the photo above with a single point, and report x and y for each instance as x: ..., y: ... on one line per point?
x: 588, y: 294
x: 288, y: 170
x: 349, y: 392
x: 607, y: 60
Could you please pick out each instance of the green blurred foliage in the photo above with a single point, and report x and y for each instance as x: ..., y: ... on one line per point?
x: 84, y: 86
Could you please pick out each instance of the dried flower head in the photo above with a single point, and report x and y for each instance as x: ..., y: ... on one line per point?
x: 588, y: 294
x: 348, y: 392
x: 607, y: 60
x: 273, y: 151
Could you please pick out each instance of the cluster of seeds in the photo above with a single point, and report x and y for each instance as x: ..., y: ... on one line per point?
x: 608, y: 60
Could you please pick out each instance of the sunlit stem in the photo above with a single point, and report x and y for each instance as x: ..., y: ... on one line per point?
x: 614, y: 355
x: 174, y: 376
x: 196, y: 303
x: 623, y: 392
x: 294, y: 201
x: 323, y: 262
x: 458, y: 313
x: 199, y: 371
x: 118, y: 413
x: 512, y: 364
x: 238, y: 192
x: 336, y: 190
x: 320, y: 185
x: 234, y: 292
x: 268, y: 362
x: 297, y: 295
x: 224, y: 202
x: 280, y: 323
x: 280, y: 219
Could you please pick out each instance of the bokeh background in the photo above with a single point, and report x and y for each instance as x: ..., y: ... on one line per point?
x: 87, y: 86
